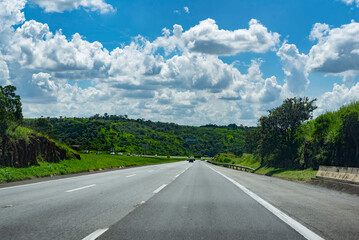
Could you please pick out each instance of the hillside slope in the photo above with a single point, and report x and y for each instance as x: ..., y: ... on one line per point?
x: 127, y: 135
x: 22, y: 147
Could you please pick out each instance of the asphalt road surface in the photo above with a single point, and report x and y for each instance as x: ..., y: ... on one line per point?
x: 176, y: 201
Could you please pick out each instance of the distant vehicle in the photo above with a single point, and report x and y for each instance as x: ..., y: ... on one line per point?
x: 112, y: 153
x: 191, y: 160
x: 97, y: 152
x: 155, y: 155
x: 86, y: 151
x: 128, y: 154
x: 120, y: 153
x: 133, y: 154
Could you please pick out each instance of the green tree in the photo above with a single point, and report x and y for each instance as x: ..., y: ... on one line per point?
x: 252, y: 138
x: 277, y: 145
x: 3, y: 115
x: 349, y: 140
x: 44, y: 126
x: 10, y: 111
x: 10, y: 107
x: 12, y: 103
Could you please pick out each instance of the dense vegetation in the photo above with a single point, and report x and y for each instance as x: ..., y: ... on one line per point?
x: 10, y: 113
x: 285, y: 138
x: 103, y: 133
x: 331, y: 139
x: 21, y: 146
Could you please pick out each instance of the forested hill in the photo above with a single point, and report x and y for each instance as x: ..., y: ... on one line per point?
x: 102, y: 133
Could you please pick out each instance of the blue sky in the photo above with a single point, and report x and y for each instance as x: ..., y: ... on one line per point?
x: 189, y: 62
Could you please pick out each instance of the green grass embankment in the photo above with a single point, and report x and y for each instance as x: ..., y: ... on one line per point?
x: 88, y: 162
x: 248, y: 160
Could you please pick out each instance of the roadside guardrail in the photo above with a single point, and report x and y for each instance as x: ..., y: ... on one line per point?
x: 236, y: 167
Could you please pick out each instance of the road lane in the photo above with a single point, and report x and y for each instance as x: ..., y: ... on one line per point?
x: 47, y: 211
x: 331, y: 214
x: 200, y: 204
x: 166, y: 201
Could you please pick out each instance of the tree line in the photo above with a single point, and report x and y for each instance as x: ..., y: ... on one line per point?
x: 103, y: 133
x: 286, y: 137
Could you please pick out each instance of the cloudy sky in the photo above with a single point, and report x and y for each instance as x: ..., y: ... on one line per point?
x: 188, y: 62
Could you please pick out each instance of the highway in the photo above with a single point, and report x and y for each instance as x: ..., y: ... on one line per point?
x: 175, y: 201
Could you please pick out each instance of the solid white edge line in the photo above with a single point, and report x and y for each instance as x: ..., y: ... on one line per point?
x: 302, y: 230
x: 160, y: 188
x: 76, y: 189
x: 132, y: 175
x: 95, y: 234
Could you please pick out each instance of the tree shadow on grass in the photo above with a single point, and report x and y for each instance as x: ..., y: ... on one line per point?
x: 275, y: 171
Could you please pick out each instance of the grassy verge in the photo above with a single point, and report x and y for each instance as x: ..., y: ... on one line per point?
x: 290, y: 174
x: 87, y: 162
x: 248, y: 160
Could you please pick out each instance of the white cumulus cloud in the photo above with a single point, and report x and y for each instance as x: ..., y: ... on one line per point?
x: 336, y: 50
x: 294, y: 67
x: 340, y: 95
x: 70, y: 76
x: 4, y: 72
x: 69, y: 5
x: 44, y: 82
x: 206, y: 37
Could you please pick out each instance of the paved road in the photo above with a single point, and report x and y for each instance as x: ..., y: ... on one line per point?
x: 73, y: 208
x: 201, y: 204
x: 329, y: 213
x: 176, y: 201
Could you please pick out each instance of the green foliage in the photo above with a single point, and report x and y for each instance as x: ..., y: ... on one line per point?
x: 286, y: 139
x: 101, y: 133
x: 42, y: 125
x: 331, y: 139
x: 290, y: 174
x: 10, y: 114
x: 10, y: 108
x: 252, y: 138
x: 18, y: 132
x: 274, y: 140
x: 247, y: 160
x: 224, y: 157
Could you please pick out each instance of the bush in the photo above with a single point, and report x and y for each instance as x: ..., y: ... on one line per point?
x: 331, y: 139
x: 18, y: 132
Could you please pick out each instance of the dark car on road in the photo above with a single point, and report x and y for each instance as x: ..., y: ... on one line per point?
x: 191, y: 160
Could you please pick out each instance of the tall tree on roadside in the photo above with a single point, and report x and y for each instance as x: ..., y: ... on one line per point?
x: 277, y: 145
x: 3, y: 115
x: 10, y: 104
x: 10, y: 110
